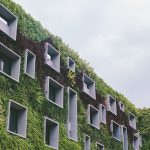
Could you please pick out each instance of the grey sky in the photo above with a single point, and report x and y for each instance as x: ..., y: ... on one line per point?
x: 113, y: 36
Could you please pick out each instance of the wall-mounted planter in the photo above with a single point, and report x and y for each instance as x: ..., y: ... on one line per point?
x: 111, y: 104
x: 116, y: 130
x: 132, y: 120
x: 87, y: 142
x: 71, y: 64
x: 121, y: 106
x: 102, y: 112
x: 8, y: 22
x: 17, y: 119
x: 89, y: 86
x: 52, y: 57
x: 51, y: 133
x: 124, y: 136
x: 9, y: 63
x: 99, y: 146
x: 93, y: 116
x: 72, y: 115
x: 29, y: 64
x: 54, y: 91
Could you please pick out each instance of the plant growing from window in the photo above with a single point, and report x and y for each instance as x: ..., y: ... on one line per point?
x: 71, y: 76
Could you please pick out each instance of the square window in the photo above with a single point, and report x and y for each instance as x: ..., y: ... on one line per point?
x: 8, y: 22
x: 111, y: 104
x: 87, y: 142
x: 52, y: 57
x: 132, y: 120
x: 71, y: 64
x: 54, y: 91
x: 72, y: 114
x: 51, y: 133
x: 9, y: 63
x: 29, y: 65
x: 121, y: 106
x: 89, y: 86
x: 17, y: 119
x: 93, y: 116
x: 102, y: 110
x: 99, y: 146
x: 116, y: 130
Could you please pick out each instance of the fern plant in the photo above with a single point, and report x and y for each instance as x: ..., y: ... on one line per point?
x: 71, y: 76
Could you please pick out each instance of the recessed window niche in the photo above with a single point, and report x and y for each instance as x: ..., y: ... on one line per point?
x: 52, y: 57
x: 136, y: 142
x: 99, y: 146
x: 71, y: 64
x: 116, y: 130
x: 132, y: 120
x: 72, y: 115
x: 102, y: 110
x: 124, y: 137
x: 17, y: 119
x: 8, y: 22
x: 9, y: 63
x: 89, y: 86
x: 111, y: 104
x: 29, y: 64
x: 87, y: 142
x: 54, y: 91
x: 51, y: 133
x: 93, y: 116
x: 121, y: 106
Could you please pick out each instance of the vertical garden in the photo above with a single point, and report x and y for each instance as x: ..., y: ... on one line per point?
x: 31, y: 118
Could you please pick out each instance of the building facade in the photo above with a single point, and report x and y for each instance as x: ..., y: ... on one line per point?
x: 49, y: 100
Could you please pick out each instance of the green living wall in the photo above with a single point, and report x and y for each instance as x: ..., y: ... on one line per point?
x: 29, y: 92
x: 144, y: 122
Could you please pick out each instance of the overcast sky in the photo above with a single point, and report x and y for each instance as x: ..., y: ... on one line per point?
x: 112, y: 35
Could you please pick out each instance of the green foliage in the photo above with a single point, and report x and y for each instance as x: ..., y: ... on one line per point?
x: 33, y: 30
x: 144, y: 127
x: 71, y: 77
x: 29, y: 93
x: 26, y: 24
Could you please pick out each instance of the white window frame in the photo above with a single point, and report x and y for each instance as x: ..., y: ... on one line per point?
x: 124, y: 137
x: 72, y: 62
x: 111, y: 104
x: 8, y: 23
x: 132, y: 123
x: 15, y: 67
x: 60, y: 97
x: 89, y: 86
x: 31, y: 72
x: 22, y: 118
x: 101, y: 146
x: 112, y: 130
x: 87, y: 142
x: 72, y: 123
x: 51, y: 52
x: 96, y: 123
x: 102, y: 109
x: 121, y: 106
x: 136, y: 146
x: 55, y: 142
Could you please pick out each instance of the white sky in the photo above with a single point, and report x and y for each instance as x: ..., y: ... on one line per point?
x: 113, y: 36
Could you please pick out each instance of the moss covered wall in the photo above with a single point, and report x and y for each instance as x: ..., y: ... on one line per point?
x: 30, y: 92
